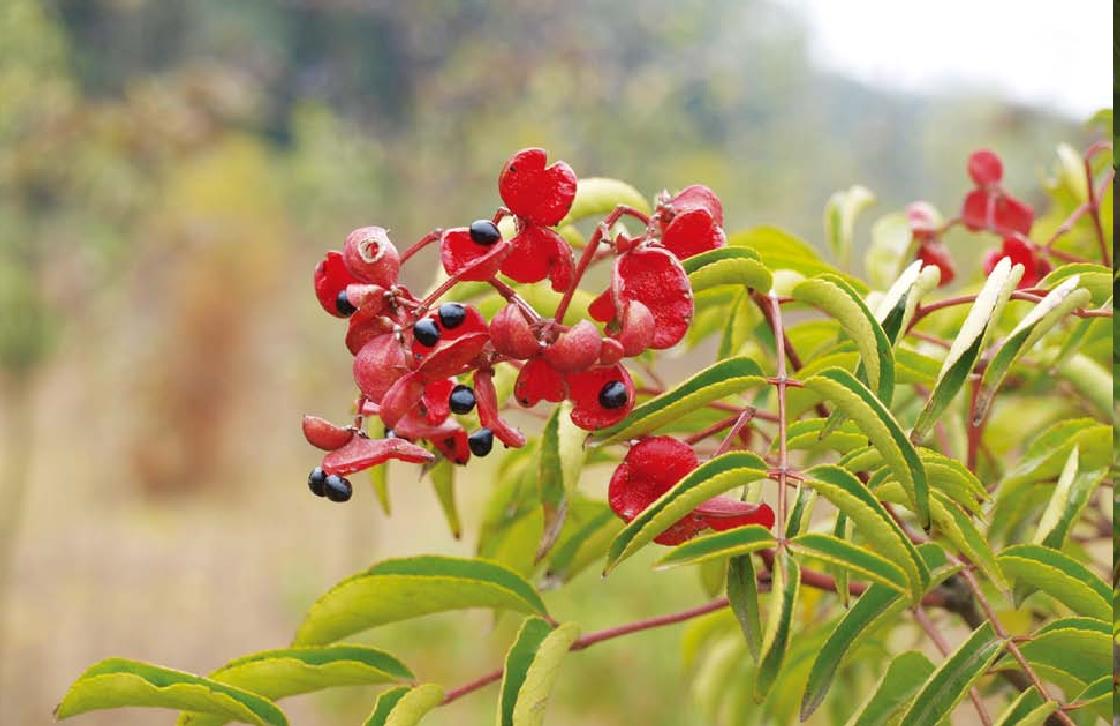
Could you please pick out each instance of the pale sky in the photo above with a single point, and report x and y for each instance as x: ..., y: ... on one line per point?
x: 1056, y: 54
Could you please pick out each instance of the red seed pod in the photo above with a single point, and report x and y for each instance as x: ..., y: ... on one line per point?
x: 371, y: 257
x: 364, y: 453
x: 538, y: 381
x: 454, y: 446
x: 512, y: 335
x: 458, y: 251
x: 602, y: 307
x: 691, y: 233
x: 937, y: 255
x: 611, y: 352
x: 636, y: 329
x: 976, y: 213
x: 601, y: 396
x: 453, y: 357
x: 1020, y: 253
x: 435, y: 401
x: 693, y: 197
x: 722, y: 513
x: 655, y: 278
x: 445, y: 324
x: 1011, y: 215
x: 539, y: 252
x: 401, y: 398
x: 985, y: 168
x: 331, y: 278
x: 378, y: 365
x: 365, y: 325
x: 448, y: 437
x: 537, y: 193
x: 363, y: 295
x: 322, y: 434
x: 487, y: 401
x: 576, y: 349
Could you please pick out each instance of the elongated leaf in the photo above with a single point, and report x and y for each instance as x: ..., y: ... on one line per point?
x: 718, y: 545
x: 1047, y: 452
x: 738, y: 325
x: 838, y: 552
x: 943, y: 474
x: 785, y: 583
x: 1027, y: 710
x: 404, y: 705
x: 600, y: 195
x: 742, y: 594
x: 532, y: 664
x: 587, y: 535
x: 442, y: 474
x: 840, y: 574
x: 406, y: 588
x: 905, y: 675
x: 710, y: 479
x: 966, y: 348
x: 561, y: 460
x: 897, y: 307
x: 1097, y: 279
x: 123, y: 683
x: 810, y: 434
x: 725, y: 378
x: 857, y: 402
x: 1098, y: 697
x: 1090, y: 379
x: 890, y: 248
x: 727, y: 266
x: 952, y: 679
x: 1059, y: 576
x: 1073, y: 649
x: 1063, y: 299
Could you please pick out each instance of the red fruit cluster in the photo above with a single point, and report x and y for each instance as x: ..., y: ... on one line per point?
x: 989, y: 206
x: 1035, y: 267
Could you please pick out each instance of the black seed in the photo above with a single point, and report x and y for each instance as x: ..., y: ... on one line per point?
x: 315, y: 481
x: 613, y: 395
x: 426, y: 332
x: 452, y: 315
x: 337, y: 488
x: 342, y: 302
x: 390, y: 434
x: 484, y: 232
x: 461, y: 399
x: 481, y: 442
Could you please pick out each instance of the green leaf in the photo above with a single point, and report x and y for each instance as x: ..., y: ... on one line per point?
x: 718, y: 545
x: 597, y: 196
x: 725, y: 378
x: 780, y: 250
x: 841, y: 553
x: 1090, y: 379
x: 1068, y: 500
x: 840, y: 217
x: 1098, y: 697
x: 896, y: 309
x: 952, y: 679
x: 1097, y: 279
x: 284, y: 672
x: 401, y: 589
x: 857, y: 403
x: 889, y: 249
x: 727, y: 266
x: 404, y: 705
x: 532, y: 664
x: 1080, y: 648
x: 834, y: 296
x: 810, y: 434
x: 738, y: 325
x: 442, y: 474
x: 561, y: 460
x: 742, y: 595
x: 801, y: 512
x: 123, y: 683
x: 965, y: 350
x: 588, y: 533
x: 943, y: 473
x: 1047, y: 452
x: 1027, y: 710
x: 1059, y: 576
x: 1040, y: 320
x: 905, y: 675
x: 785, y: 583
x: 710, y: 479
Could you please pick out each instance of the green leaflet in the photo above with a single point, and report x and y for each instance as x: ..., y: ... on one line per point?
x: 965, y: 350
x: 857, y: 403
x: 1069, y: 498
x: 835, y: 297
x: 283, y: 672
x: 742, y: 595
x: 1089, y: 378
x: 905, y: 675
x: 810, y: 434
x: 590, y: 527
x: 952, y: 679
x: 1078, y: 648
x: 1059, y: 576
x: 1097, y: 279
x: 406, y: 588
x: 561, y: 460
x: 780, y: 250
x: 840, y: 217
x: 859, y: 560
x: 442, y: 474
x: 717, y: 545
x: 895, y: 311
x: 1040, y: 320
x: 531, y: 667
x: 724, y: 378
x: 785, y: 583
x: 1098, y: 697
x: 727, y: 266
x: 1027, y: 710
x: 711, y: 478
x: 123, y: 683
x: 943, y: 473
x: 597, y: 196
x: 1047, y: 452
x: 840, y: 530
x: 404, y: 705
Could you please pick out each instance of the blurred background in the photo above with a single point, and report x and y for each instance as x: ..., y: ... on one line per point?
x: 171, y: 171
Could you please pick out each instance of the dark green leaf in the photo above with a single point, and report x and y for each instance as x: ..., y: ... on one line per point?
x: 531, y: 667
x: 785, y: 583
x: 954, y: 677
x: 840, y: 553
x: 905, y: 675
x: 742, y: 594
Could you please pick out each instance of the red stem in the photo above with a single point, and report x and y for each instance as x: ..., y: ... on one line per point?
x: 424, y: 242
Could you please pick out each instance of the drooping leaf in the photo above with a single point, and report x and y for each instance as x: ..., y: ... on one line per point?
x: 405, y: 588
x: 727, y: 266
x: 531, y: 667
x: 862, y: 562
x: 404, y: 705
x: 785, y: 583
x: 954, y: 677
x: 1090, y: 379
x: 738, y: 324
x: 742, y: 594
x: 718, y: 545
x: 710, y: 479
x: 597, y: 196
x: 1059, y: 576
x: 1028, y: 709
x: 1068, y: 500
x: 970, y: 341
x: 840, y: 213
x: 905, y: 675
x: 561, y: 460
x: 442, y: 474
x: 725, y: 378
x: 123, y: 683
x: 943, y: 473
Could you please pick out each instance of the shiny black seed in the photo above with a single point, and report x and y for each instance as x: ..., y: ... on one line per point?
x: 613, y: 395
x: 342, y: 302
x: 337, y: 488
x: 461, y: 399
x: 315, y: 481
x: 484, y: 232
x: 452, y: 315
x: 481, y: 442
x: 426, y: 332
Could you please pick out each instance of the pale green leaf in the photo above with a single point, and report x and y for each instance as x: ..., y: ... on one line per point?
x: 840, y: 215
x: 442, y: 474
x: 780, y: 251
x: 590, y: 527
x: 598, y: 196
x: 379, y: 475
x: 531, y: 667
x: 1097, y: 279
x: 727, y: 266
x: 742, y: 595
x: 719, y: 545
x: 1059, y: 576
x: 1027, y: 710
x: 561, y: 460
